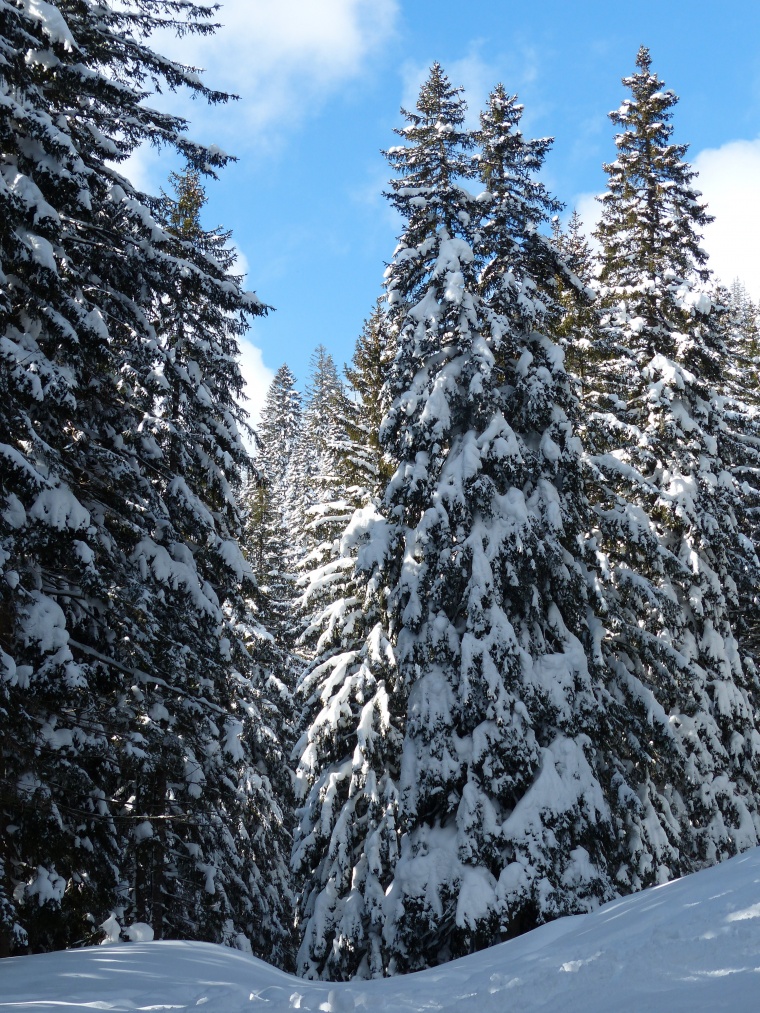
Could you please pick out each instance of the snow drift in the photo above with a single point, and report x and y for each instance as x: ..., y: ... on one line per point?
x: 690, y: 945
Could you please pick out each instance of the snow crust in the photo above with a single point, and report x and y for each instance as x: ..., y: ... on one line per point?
x: 687, y: 946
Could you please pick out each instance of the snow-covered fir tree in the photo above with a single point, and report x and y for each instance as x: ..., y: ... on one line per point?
x: 452, y: 796
x: 278, y: 430
x: 669, y: 508
x: 269, y: 545
x: 506, y: 820
x: 321, y: 507
x: 316, y: 485
x: 126, y: 688
x: 357, y: 475
x: 345, y: 842
x: 77, y: 352
x: 212, y: 754
x: 738, y: 400
x: 745, y: 321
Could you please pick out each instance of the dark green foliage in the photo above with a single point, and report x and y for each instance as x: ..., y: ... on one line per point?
x: 361, y: 459
x: 126, y: 680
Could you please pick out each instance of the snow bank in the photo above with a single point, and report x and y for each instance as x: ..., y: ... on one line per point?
x: 690, y: 945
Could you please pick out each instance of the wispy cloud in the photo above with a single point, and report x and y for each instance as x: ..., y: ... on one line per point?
x: 590, y: 211
x: 147, y: 168
x: 284, y: 57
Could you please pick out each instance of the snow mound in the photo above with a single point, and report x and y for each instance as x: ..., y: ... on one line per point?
x: 690, y: 945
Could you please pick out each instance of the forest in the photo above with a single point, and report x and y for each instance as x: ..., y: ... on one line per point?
x: 469, y: 642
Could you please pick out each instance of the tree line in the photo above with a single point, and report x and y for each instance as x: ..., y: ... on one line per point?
x: 468, y: 644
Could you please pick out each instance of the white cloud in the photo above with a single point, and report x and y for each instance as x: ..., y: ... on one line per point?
x: 590, y: 211
x: 282, y: 57
x: 257, y: 376
x: 241, y: 262
x: 148, y: 168
x: 729, y: 178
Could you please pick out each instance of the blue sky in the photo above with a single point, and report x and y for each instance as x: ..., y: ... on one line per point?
x: 321, y: 83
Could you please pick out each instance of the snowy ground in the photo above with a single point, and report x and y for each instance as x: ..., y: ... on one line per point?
x: 688, y: 946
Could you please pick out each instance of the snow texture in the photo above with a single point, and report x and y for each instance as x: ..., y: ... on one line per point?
x: 685, y: 947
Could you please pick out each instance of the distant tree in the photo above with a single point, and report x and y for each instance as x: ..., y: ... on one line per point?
x: 361, y: 458
x: 359, y: 473
x: 270, y: 541
x: 739, y: 402
x: 577, y: 327
x: 320, y: 509
x: 279, y: 431
x: 745, y: 324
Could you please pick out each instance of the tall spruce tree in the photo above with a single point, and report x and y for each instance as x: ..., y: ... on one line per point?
x: 506, y: 820
x: 669, y: 513
x: 452, y: 795
x: 745, y: 337
x: 320, y: 507
x: 122, y: 577
x: 346, y: 838
x: 340, y: 613
x: 739, y: 402
x: 211, y: 760
x: 360, y: 475
x: 361, y: 458
x: 270, y: 547
x: 77, y: 353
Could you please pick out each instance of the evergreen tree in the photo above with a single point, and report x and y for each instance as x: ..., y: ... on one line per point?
x: 361, y: 459
x: 269, y: 546
x: 209, y: 757
x: 669, y: 513
x: 489, y: 605
x: 739, y: 401
x: 449, y: 767
x: 279, y: 430
x: 122, y: 591
x: 77, y: 353
x: 577, y: 327
x: 340, y: 613
x: 745, y: 344
x: 329, y: 580
x: 320, y: 508
x: 269, y: 539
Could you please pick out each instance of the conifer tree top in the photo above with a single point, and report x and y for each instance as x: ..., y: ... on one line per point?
x: 438, y: 140
x: 652, y: 216
x: 186, y: 207
x: 643, y: 59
